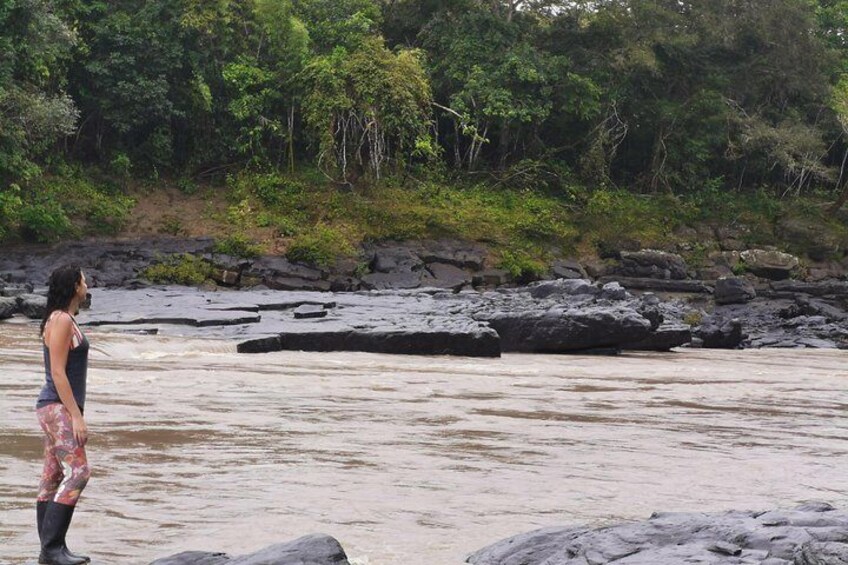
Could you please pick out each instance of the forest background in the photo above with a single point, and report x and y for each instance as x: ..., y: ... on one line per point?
x: 541, y: 128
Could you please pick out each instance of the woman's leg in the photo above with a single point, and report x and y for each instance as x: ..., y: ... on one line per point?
x: 68, y: 457
x: 71, y: 460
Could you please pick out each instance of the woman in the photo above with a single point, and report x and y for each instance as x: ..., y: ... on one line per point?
x: 60, y: 413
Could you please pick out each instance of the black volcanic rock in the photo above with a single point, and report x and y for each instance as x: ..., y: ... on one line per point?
x: 813, y: 534
x: 315, y: 549
x: 559, y: 330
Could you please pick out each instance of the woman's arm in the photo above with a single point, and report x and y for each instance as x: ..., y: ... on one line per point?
x: 59, y: 343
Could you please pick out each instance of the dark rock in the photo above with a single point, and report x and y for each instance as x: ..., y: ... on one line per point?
x: 32, y: 305
x: 731, y: 538
x: 491, y: 278
x: 559, y: 330
x: 563, y: 287
x: 459, y: 254
x: 660, y: 285
x: 315, y: 549
x: 773, y: 265
x: 8, y: 307
x: 714, y: 272
x: 344, y: 283
x: 446, y: 276
x: 807, y: 307
x: 613, y: 291
x: 260, y: 345
x: 384, y: 281
x: 824, y: 288
x: 652, y: 264
x: 273, y: 266
x: 822, y: 553
x: 228, y: 278
x: 309, y: 311
x: 597, y: 268
x: 478, y: 342
x: 15, y: 289
x: 294, y: 283
x: 734, y: 290
x: 568, y: 269
x: 663, y: 338
x: 194, y: 558
x: 396, y: 260
x: 720, y: 334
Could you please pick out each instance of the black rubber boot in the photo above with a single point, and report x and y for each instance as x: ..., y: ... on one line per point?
x: 54, y: 527
x: 40, y: 509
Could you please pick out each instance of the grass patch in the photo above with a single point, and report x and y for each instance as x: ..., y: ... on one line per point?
x: 322, y: 245
x: 183, y: 269
x: 237, y: 245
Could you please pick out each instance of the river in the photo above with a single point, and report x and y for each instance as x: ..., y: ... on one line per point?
x: 415, y: 460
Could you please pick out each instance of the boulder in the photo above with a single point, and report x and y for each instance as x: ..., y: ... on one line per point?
x: 806, y: 535
x: 315, y: 549
x: 773, y: 265
x: 613, y: 291
x: 720, y: 334
x: 459, y: 254
x: 8, y: 307
x: 649, y: 263
x: 733, y: 290
x: 32, y: 305
x: 445, y: 275
x: 664, y: 338
x: 396, y: 260
x: 560, y: 329
x: 568, y: 269
x: 15, y: 289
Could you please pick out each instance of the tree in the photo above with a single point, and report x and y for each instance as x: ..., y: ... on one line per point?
x: 368, y: 109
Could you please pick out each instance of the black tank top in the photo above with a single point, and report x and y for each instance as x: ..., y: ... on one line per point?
x: 76, y: 369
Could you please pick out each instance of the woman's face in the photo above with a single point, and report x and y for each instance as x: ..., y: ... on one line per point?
x: 82, y: 288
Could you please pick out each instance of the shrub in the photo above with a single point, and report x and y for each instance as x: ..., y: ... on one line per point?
x: 44, y: 221
x: 320, y: 246
x: 185, y: 269
x: 237, y: 246
x: 521, y: 265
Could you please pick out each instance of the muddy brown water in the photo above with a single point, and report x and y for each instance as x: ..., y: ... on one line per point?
x: 415, y: 460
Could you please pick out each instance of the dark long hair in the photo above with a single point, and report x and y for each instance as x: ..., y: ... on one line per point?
x: 62, y: 287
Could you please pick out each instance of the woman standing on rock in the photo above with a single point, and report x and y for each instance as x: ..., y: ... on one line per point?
x: 60, y: 413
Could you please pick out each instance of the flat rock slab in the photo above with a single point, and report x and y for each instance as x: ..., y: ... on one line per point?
x: 306, y: 311
x: 808, y: 535
x: 315, y: 549
x: 471, y: 342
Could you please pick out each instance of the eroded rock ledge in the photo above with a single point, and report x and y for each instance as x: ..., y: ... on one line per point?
x: 315, y: 549
x: 812, y: 534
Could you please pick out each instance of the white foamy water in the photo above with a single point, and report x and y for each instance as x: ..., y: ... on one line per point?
x: 415, y: 460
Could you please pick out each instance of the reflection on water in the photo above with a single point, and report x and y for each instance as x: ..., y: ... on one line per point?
x: 415, y: 460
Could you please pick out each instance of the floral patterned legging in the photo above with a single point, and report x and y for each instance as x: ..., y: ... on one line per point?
x: 66, y: 469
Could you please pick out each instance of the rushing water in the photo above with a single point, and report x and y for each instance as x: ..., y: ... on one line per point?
x: 415, y: 460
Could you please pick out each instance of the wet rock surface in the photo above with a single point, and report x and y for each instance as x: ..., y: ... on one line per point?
x: 810, y: 534
x: 569, y: 313
x: 316, y: 549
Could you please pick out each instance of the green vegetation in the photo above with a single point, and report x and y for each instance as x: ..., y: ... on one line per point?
x: 537, y: 127
x: 237, y: 246
x: 184, y: 269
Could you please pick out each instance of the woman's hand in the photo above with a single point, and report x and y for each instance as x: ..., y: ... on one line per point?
x: 80, y: 430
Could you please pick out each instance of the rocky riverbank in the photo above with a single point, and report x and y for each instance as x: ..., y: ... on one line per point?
x: 442, y: 298
x: 812, y: 534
